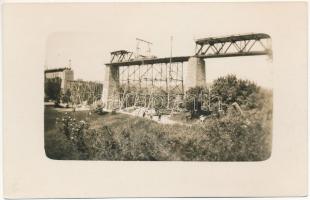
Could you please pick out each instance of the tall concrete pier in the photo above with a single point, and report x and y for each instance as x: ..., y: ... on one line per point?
x: 111, y: 83
x: 194, y: 73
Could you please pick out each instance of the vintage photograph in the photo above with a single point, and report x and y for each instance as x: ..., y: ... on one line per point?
x: 150, y: 89
x: 123, y: 100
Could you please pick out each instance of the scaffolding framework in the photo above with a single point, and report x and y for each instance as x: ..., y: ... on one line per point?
x: 81, y: 91
x: 154, y: 76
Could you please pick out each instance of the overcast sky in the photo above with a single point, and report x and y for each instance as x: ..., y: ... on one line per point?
x: 113, y: 27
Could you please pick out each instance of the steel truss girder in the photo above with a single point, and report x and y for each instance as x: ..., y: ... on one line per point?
x: 121, y: 56
x: 80, y: 89
x: 241, y: 45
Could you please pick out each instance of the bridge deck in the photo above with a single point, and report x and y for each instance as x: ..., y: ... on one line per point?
x: 147, y: 61
x: 183, y: 58
x: 232, y: 38
x: 211, y: 47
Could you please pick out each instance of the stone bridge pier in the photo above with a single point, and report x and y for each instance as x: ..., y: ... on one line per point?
x: 194, y: 73
x: 111, y: 83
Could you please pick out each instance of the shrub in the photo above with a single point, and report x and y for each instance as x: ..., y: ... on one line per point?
x: 230, y: 89
x: 57, y: 146
x: 73, y: 130
x: 101, y: 144
x: 234, y: 137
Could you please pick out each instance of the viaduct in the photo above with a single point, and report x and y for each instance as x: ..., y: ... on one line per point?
x: 178, y: 73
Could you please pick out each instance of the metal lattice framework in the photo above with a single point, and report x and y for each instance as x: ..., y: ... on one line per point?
x: 163, y: 76
x: 147, y: 100
x: 148, y: 84
x: 235, y: 45
x: 82, y: 91
x: 121, y: 56
x: 147, y: 48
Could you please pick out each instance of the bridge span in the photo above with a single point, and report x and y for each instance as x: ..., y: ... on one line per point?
x: 170, y: 73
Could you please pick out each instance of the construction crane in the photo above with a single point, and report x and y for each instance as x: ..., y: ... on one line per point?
x: 147, y: 51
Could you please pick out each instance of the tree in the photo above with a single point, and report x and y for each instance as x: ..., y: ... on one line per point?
x: 52, y: 89
x: 194, y: 99
x: 230, y: 89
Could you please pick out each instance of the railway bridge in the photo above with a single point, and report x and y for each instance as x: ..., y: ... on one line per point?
x: 174, y: 75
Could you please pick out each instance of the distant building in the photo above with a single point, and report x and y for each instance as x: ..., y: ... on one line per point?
x: 65, y: 74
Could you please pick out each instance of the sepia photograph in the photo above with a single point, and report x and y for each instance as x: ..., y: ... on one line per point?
x: 158, y: 99
x: 147, y: 95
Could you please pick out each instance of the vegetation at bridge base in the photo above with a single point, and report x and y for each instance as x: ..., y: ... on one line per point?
x: 123, y: 137
x: 226, y: 91
x: 230, y: 89
x: 194, y: 99
x: 229, y: 137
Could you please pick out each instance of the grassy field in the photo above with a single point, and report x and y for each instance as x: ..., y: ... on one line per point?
x: 124, y: 137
